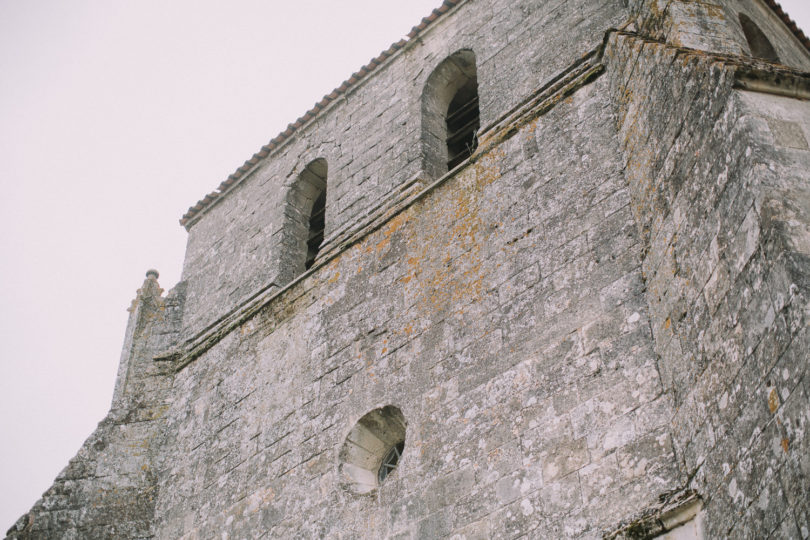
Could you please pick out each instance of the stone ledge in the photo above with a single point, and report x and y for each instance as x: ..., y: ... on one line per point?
x: 582, y: 72
x: 674, y: 509
x: 750, y: 73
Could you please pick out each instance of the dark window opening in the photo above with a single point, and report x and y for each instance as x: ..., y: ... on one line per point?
x: 463, y: 121
x: 389, y: 462
x: 758, y: 42
x: 317, y: 223
x: 450, y: 114
x: 305, y: 221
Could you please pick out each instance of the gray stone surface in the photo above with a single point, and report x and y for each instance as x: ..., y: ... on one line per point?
x: 718, y: 180
x: 598, y: 322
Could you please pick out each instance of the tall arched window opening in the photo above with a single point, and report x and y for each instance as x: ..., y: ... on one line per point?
x: 317, y: 223
x: 450, y: 114
x: 463, y: 121
x: 304, y: 221
x: 758, y: 42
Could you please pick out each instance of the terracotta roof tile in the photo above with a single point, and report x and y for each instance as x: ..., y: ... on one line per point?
x: 790, y: 23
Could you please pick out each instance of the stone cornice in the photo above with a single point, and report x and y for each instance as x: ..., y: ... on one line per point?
x: 583, y: 71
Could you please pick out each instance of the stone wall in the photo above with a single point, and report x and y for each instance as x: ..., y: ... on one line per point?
x: 596, y: 326
x: 718, y: 179
x: 370, y: 138
x: 715, y: 26
x: 503, y: 313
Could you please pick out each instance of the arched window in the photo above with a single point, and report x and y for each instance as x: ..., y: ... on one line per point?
x: 372, y: 449
x: 450, y: 113
x: 304, y: 221
x: 317, y: 222
x: 758, y: 42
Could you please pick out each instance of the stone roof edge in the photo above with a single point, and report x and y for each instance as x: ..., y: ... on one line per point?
x: 361, y: 75
x: 292, y: 128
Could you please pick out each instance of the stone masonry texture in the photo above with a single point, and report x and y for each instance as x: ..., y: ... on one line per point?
x: 595, y: 327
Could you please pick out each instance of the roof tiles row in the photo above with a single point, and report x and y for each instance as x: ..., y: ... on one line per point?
x: 358, y: 76
x: 279, y: 139
x: 790, y: 23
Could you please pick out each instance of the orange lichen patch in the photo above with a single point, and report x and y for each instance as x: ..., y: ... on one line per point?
x: 334, y: 278
x: 773, y: 400
x: 785, y: 444
x: 667, y: 323
x: 396, y: 223
x: 269, y: 495
x: 488, y: 168
x: 530, y: 128
x: 444, y: 267
x: 331, y: 269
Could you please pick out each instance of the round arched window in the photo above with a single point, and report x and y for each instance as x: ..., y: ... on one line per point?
x: 373, y: 449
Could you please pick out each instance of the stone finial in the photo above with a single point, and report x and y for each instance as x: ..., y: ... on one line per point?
x: 149, y: 289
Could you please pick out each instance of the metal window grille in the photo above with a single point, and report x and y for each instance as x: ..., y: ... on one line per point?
x: 390, y: 461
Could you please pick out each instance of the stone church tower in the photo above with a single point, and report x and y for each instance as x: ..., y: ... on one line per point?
x: 541, y: 270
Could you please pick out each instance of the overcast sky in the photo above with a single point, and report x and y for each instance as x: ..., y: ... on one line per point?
x: 115, y: 117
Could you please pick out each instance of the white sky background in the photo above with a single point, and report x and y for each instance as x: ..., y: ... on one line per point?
x: 115, y: 117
